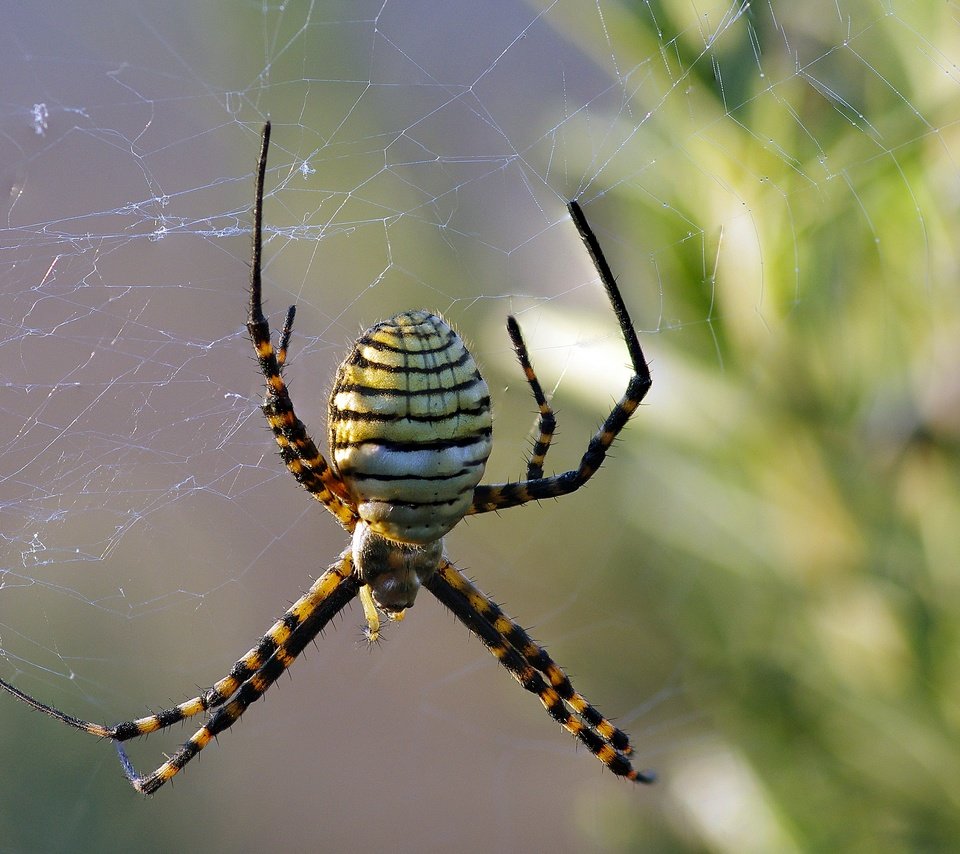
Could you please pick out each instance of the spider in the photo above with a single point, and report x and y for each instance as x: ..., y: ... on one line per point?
x: 410, y: 433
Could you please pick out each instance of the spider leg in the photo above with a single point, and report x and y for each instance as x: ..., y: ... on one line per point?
x: 301, y: 624
x: 536, y: 656
x: 297, y: 450
x: 272, y: 643
x: 502, y: 495
x: 546, y: 421
x: 246, y: 682
x: 526, y: 661
x: 86, y: 726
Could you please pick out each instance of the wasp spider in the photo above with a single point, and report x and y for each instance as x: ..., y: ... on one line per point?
x: 410, y: 433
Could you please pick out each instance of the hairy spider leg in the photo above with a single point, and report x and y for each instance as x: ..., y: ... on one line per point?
x: 502, y: 495
x: 526, y: 660
x: 546, y: 420
x: 246, y: 682
x: 297, y: 450
x: 288, y: 637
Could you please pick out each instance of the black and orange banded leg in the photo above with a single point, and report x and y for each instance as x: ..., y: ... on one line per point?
x: 288, y: 637
x: 502, y: 495
x: 297, y: 450
x: 546, y: 421
x: 246, y: 682
x: 529, y: 663
x: 536, y: 656
x: 274, y: 642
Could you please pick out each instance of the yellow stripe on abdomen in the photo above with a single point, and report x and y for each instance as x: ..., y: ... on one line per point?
x: 410, y: 427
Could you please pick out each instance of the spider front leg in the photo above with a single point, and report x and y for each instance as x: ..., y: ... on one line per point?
x: 246, y: 682
x: 502, y: 495
x: 297, y: 450
x: 529, y: 662
x: 250, y: 677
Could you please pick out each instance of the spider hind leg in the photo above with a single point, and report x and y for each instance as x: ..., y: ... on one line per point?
x: 297, y: 449
x: 546, y: 420
x: 499, y: 496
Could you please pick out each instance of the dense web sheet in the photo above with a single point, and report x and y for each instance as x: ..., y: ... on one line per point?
x: 739, y: 162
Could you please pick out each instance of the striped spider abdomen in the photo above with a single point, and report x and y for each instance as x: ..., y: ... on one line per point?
x: 410, y: 427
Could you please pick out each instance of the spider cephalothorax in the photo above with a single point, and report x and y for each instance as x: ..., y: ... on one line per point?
x: 410, y: 433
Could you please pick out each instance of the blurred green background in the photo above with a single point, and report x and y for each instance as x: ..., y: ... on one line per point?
x: 760, y: 586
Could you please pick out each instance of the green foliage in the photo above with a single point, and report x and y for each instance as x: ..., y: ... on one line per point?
x: 812, y: 460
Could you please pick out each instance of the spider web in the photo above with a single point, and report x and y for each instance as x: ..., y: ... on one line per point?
x: 775, y: 185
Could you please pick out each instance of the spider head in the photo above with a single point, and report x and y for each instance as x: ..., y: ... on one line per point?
x: 394, y: 571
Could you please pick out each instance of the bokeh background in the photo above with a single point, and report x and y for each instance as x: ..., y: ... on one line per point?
x: 761, y: 586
